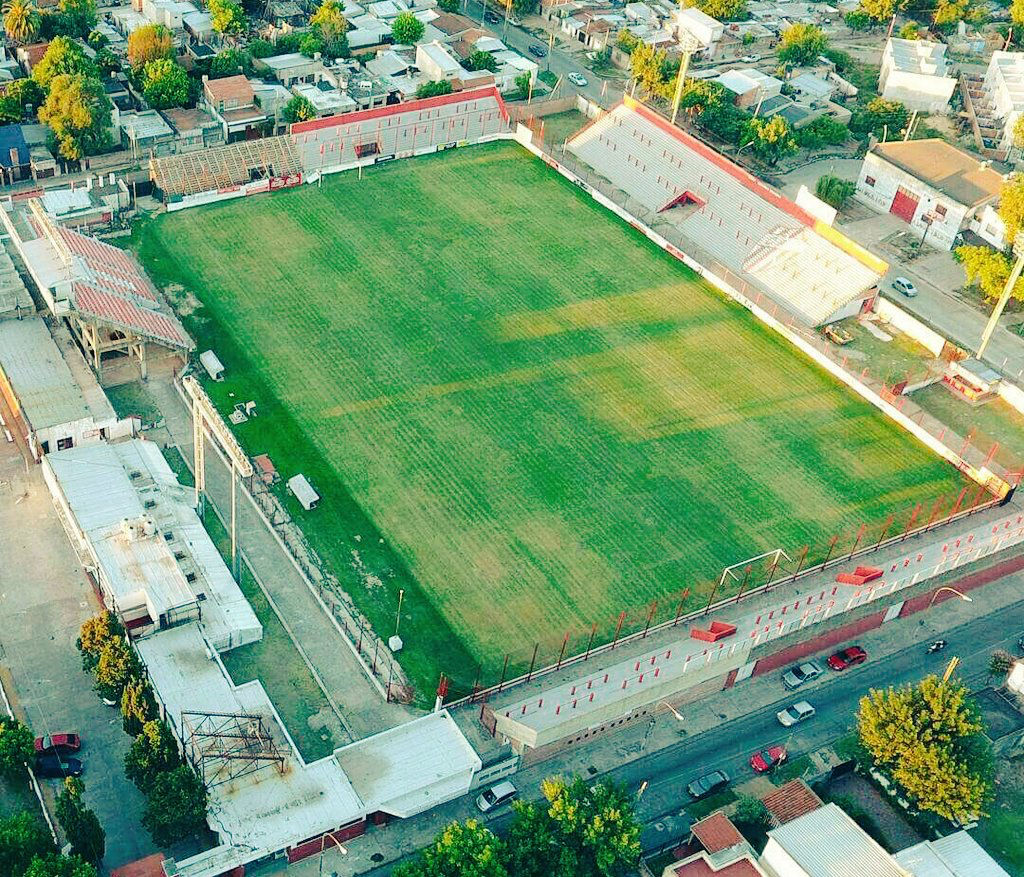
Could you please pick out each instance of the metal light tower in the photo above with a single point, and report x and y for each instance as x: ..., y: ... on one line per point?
x: 997, y: 312
x: 688, y: 44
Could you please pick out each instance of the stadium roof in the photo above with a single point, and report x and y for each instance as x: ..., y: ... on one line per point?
x: 42, y: 381
x: 826, y: 843
x: 956, y: 855
x: 945, y: 168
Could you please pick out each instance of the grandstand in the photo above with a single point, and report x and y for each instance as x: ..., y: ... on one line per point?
x: 725, y: 216
x: 269, y: 161
x: 109, y: 302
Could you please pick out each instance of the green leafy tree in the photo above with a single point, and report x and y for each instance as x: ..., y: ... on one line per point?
x: 1011, y: 206
x: 858, y: 19
x: 138, y: 706
x: 448, y: 5
x: 627, y: 41
x: 928, y: 738
x: 910, y: 31
x: 311, y: 43
x: 434, y: 89
x: 230, y: 62
x: 75, y: 18
x: 175, y: 806
x: 823, y: 131
x: 227, y: 17
x: 81, y: 826
x: 880, y: 117
x: 21, y: 98
x: 329, y: 20
x: 62, y: 57
x: 151, y: 42
x: 1000, y: 663
x: 882, y: 10
x: 723, y: 10
x: 948, y: 13
x: 55, y: 865
x: 21, y: 21
x: 834, y: 190
x: 118, y: 664
x: 647, y: 65
x: 152, y: 753
x: 462, y: 849
x: 751, y: 811
x: 17, y: 746
x: 165, y: 84
x: 107, y: 62
x: 288, y: 42
x: 988, y: 270
x: 262, y: 49
x: 531, y: 843
x: 298, y: 109
x: 23, y: 837
x: 801, y: 43
x: 479, y: 60
x: 97, y: 40
x: 770, y: 140
x: 524, y: 83
x: 406, y: 29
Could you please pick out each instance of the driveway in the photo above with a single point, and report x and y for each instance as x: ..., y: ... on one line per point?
x: 44, y: 598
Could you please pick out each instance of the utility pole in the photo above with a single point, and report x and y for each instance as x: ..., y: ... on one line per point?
x: 910, y: 126
x: 997, y: 311
x: 687, y: 45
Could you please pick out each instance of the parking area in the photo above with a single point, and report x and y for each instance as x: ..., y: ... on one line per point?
x: 44, y: 598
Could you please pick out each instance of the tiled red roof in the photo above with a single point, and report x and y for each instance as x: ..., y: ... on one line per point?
x: 110, y: 308
x: 699, y: 867
x: 112, y: 268
x: 716, y: 832
x: 791, y: 801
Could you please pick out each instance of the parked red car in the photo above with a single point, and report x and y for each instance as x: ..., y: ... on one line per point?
x: 765, y: 759
x: 848, y: 657
x: 58, y: 743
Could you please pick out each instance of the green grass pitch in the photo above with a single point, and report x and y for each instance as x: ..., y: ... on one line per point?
x: 516, y: 408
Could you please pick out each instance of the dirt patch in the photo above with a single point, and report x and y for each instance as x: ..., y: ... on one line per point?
x: 896, y: 831
x: 182, y: 300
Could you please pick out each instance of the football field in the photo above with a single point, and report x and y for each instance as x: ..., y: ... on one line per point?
x: 516, y: 408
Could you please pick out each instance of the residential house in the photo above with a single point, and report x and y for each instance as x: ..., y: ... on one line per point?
x: 29, y: 56
x: 931, y: 185
x: 232, y: 101
x: 93, y: 203
x: 194, y: 129
x: 707, y: 31
x: 15, y: 161
x: 44, y: 165
x: 436, y: 62
x: 916, y: 73
x: 715, y: 849
x: 325, y: 98
x: 750, y: 86
x: 790, y: 801
x: 1003, y: 94
x: 292, y: 68
x: 145, y: 133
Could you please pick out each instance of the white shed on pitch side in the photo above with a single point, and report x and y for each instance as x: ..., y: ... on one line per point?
x: 303, y: 491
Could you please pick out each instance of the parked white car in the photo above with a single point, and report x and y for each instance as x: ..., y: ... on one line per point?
x: 577, y: 79
x: 795, y: 714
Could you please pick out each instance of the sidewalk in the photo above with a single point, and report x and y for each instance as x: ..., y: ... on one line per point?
x: 364, y: 710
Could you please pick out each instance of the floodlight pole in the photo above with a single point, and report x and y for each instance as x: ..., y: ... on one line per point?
x: 997, y: 311
x: 688, y: 45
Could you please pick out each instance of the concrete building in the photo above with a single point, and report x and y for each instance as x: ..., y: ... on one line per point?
x: 53, y: 409
x: 94, y: 203
x: 916, y: 73
x: 707, y: 31
x: 145, y: 133
x: 934, y: 187
x: 1003, y: 93
x: 15, y: 161
x: 292, y: 68
x: 436, y: 62
x: 325, y: 98
x: 194, y: 129
x: 233, y: 103
x: 750, y: 86
x: 956, y: 855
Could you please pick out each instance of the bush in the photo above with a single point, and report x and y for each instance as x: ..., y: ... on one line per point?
x: 834, y: 191
x: 17, y: 747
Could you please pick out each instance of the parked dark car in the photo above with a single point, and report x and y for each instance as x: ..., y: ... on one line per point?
x: 537, y: 51
x: 707, y: 784
x: 848, y: 657
x: 58, y: 743
x: 54, y: 766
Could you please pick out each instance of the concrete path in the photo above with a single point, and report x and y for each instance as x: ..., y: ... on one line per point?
x: 364, y: 710
x: 44, y: 598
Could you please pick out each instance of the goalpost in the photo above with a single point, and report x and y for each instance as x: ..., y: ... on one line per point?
x: 729, y: 572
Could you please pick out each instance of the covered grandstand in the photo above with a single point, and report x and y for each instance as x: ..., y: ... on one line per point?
x: 110, y: 304
x: 723, y: 216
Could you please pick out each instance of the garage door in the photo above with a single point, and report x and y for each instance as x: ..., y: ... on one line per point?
x: 904, y: 205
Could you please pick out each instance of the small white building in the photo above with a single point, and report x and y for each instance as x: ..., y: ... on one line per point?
x: 1003, y: 90
x: 936, y: 188
x: 699, y: 25
x: 916, y: 73
x: 436, y: 62
x: 750, y: 86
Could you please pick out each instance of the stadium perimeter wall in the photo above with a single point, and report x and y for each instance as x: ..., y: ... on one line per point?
x: 982, y: 475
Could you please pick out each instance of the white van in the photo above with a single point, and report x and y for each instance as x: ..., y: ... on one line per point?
x: 496, y: 795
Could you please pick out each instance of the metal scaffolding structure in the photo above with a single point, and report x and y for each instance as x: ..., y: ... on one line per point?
x: 225, y: 746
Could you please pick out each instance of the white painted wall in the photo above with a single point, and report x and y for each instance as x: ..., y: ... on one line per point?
x: 777, y: 861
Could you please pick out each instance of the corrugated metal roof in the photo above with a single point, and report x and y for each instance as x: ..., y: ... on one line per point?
x: 828, y: 843
x: 957, y: 855
x: 33, y: 364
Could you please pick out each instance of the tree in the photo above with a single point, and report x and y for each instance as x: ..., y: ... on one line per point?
x: 769, y: 140
x: 448, y: 5
x: 530, y: 842
x: 647, y: 65
x: 262, y: 49
x: 81, y: 826
x: 948, y: 13
x: 858, y: 19
x: 910, y: 31
x: 433, y: 89
x: 1017, y: 12
x: 311, y: 44
x: 479, y: 60
x: 21, y: 21
x: 627, y: 41
x: 823, y: 131
x: 880, y: 117
x: 118, y: 663
x: 723, y: 10
x: 175, y: 806
x: 1000, y: 663
x: 226, y: 16
x: 462, y: 849
x: 834, y: 190
x: 801, y: 44
x: 406, y: 29
x: 22, y: 97
x: 55, y: 865
x: 165, y: 84
x: 329, y: 20
x: 152, y: 753
x: 298, y: 109
x: 1018, y: 133
x: 137, y: 706
x: 149, y: 43
x: 524, y: 83
x: 287, y: 42
x: 882, y: 10
x: 1011, y: 206
x: 63, y: 57
x: 22, y: 838
x: 94, y: 634
x: 17, y: 746
x: 928, y: 739
x: 97, y: 40
x: 988, y: 270
x: 750, y: 810
x: 107, y: 62
x: 75, y: 18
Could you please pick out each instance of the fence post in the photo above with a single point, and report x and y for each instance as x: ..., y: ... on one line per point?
x: 885, y: 530
x: 831, y: 548
x: 910, y: 523
x: 618, y: 629
x: 504, y: 670
x: 593, y: 631
x: 561, y: 654
x: 650, y: 615
x: 533, y: 661
x: 800, y: 562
